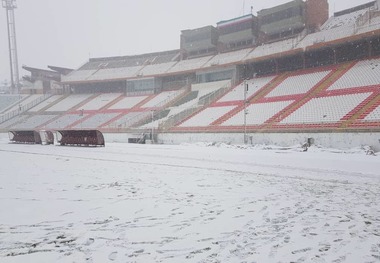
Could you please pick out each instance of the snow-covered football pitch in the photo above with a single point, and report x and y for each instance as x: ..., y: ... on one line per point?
x: 188, y: 203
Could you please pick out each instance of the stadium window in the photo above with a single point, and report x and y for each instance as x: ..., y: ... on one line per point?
x: 281, y: 15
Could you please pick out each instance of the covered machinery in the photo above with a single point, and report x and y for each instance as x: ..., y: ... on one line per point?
x: 80, y: 137
x: 31, y: 136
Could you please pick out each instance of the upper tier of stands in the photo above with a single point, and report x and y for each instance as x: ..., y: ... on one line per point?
x: 189, y: 64
x: 372, y: 23
x: 273, y: 48
x: 227, y: 58
x: 79, y: 75
x: 349, y: 20
x: 131, y: 61
x: 156, y: 69
x: 339, y: 27
x: 336, y: 27
x: 114, y: 73
x: 272, y: 101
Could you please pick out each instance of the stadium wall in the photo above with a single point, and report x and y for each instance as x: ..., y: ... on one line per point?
x: 329, y: 140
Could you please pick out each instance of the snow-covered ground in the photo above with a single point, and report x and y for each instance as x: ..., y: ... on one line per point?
x: 188, y: 203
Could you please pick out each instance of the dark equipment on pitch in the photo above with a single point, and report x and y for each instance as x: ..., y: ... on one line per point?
x: 31, y: 137
x: 80, y: 137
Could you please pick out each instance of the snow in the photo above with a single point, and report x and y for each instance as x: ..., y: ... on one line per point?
x: 202, y: 202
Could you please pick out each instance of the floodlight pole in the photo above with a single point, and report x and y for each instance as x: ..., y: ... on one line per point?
x: 245, y: 110
x: 9, y: 6
x: 152, y: 126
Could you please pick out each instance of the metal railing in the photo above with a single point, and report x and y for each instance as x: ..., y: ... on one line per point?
x: 202, y: 103
x: 171, y: 97
x: 23, y: 108
x: 144, y: 115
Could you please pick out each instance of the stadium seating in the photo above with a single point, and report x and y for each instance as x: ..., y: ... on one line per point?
x: 78, y: 75
x: 162, y: 99
x: 100, y: 101
x: 128, y: 102
x: 9, y: 123
x: 338, y: 95
x: 202, y: 94
x: 205, y: 93
x: 127, y: 120
x: 206, y: 88
x: 364, y: 73
x: 229, y: 57
x: 32, y: 122
x: 93, y: 121
x: 7, y: 101
x: 189, y: 64
x: 206, y: 117
x: 337, y: 27
x: 164, y: 58
x: 374, y: 115
x: 156, y: 69
x: 257, y: 113
x: 25, y: 103
x: 130, y: 61
x: 46, y: 103
x: 69, y: 102
x: 64, y: 121
x: 347, y: 20
x: 237, y: 93
x: 325, y: 109
x: 370, y: 25
x: 298, y: 84
x: 273, y: 48
x: 189, y: 97
x: 114, y: 73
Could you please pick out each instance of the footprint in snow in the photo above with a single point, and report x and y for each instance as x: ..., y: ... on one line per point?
x: 301, y: 250
x: 89, y: 241
x: 112, y: 256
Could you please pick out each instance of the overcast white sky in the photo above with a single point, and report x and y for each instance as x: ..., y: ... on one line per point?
x: 67, y: 32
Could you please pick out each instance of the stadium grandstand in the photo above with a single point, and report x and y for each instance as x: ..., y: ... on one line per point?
x: 288, y: 74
